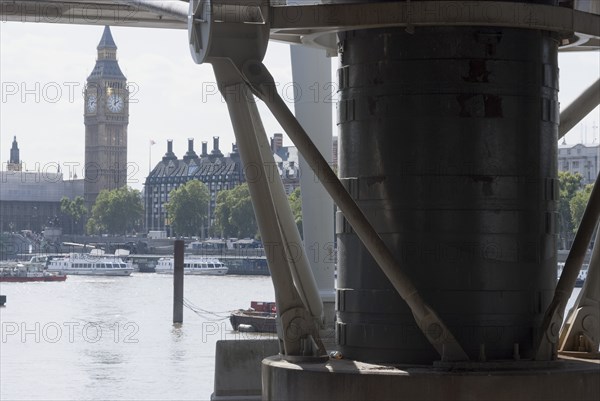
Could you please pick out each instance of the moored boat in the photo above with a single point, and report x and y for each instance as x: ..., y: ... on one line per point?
x: 261, y: 317
x: 194, y: 266
x: 21, y: 273
x: 92, y: 264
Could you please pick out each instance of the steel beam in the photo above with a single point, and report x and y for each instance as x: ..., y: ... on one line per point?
x: 579, y: 109
x: 580, y: 335
x: 315, y: 24
x: 297, y: 310
x: 547, y: 343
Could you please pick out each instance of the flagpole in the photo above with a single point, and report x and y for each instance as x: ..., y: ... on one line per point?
x: 150, y: 143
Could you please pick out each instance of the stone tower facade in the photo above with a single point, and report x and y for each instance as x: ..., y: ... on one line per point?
x: 106, y: 119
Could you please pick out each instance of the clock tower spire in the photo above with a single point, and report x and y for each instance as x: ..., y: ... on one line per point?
x: 106, y: 118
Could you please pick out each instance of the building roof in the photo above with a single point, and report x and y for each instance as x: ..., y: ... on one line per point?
x: 564, y: 145
x: 32, y: 186
x: 107, y: 41
x: 203, y: 167
x: 107, y: 67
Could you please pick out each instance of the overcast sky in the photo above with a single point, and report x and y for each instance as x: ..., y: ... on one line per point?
x: 173, y: 97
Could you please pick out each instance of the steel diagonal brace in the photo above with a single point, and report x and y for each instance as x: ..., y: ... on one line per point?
x: 547, y: 342
x: 438, y: 334
x: 580, y: 335
x: 298, y: 309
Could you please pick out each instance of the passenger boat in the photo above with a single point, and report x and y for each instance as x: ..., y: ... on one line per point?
x: 261, y: 317
x: 91, y: 264
x: 194, y: 266
x: 21, y: 273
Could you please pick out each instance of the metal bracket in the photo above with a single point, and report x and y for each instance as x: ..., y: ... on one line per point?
x: 226, y: 33
x: 547, y: 344
x: 223, y: 34
x: 581, y: 332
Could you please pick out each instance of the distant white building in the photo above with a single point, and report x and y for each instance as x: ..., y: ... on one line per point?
x: 580, y: 158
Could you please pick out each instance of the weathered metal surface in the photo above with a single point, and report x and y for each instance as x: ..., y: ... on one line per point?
x: 448, y: 144
x: 318, y: 24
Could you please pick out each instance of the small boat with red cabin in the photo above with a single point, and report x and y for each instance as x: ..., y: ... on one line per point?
x: 261, y: 317
x: 27, y: 272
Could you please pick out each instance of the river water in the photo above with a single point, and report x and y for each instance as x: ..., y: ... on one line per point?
x: 101, y: 338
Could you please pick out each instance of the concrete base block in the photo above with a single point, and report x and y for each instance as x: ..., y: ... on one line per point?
x: 238, y: 368
x: 566, y: 379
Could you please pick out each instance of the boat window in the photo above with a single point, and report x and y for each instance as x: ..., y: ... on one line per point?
x: 211, y: 265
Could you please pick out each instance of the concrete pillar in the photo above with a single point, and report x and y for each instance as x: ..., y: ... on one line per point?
x: 312, y: 71
x: 448, y: 144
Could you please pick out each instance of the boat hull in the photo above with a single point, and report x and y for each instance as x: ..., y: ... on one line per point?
x: 197, y: 272
x: 261, y: 322
x: 96, y: 272
x: 15, y: 279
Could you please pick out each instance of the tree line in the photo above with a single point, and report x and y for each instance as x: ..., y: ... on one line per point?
x: 121, y: 211
x: 573, y: 199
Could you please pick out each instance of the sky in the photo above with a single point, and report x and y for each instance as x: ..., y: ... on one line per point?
x: 43, y: 70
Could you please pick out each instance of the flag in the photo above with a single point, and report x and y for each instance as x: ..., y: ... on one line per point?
x: 152, y: 142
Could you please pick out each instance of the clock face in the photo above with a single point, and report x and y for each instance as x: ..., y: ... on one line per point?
x: 92, y: 103
x: 115, y: 103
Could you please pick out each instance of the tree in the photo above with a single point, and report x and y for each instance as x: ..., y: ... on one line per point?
x: 578, y: 204
x: 188, y: 208
x: 75, y: 209
x: 223, y: 213
x: 569, y: 184
x: 295, y: 200
x: 234, y: 213
x: 116, y: 211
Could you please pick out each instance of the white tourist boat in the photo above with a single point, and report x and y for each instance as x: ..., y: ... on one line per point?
x: 193, y: 265
x: 91, y: 264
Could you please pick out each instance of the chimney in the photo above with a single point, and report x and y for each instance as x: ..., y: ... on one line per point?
x: 169, y: 155
x: 191, y: 154
x: 216, y: 151
x: 277, y: 142
x: 204, y: 149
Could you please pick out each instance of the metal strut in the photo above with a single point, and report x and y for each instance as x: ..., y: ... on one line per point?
x: 580, y: 335
x: 225, y: 34
x: 579, y: 108
x: 547, y: 343
x: 234, y: 39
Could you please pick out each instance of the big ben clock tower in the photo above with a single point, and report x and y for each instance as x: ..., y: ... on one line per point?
x: 106, y: 119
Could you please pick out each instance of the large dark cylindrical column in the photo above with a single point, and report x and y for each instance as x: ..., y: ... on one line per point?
x: 448, y: 144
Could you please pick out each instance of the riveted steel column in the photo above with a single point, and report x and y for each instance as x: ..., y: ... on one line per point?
x: 448, y: 144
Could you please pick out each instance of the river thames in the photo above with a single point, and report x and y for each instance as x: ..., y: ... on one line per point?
x: 103, y: 338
